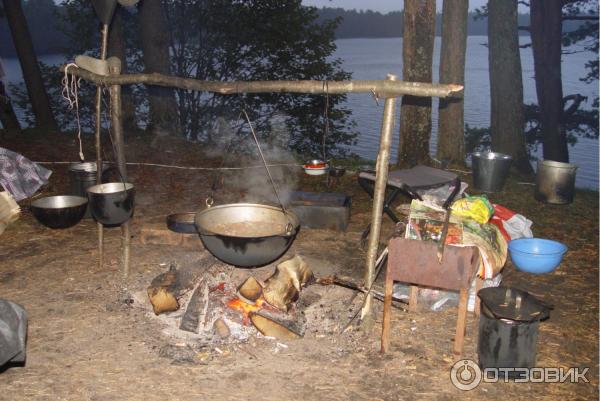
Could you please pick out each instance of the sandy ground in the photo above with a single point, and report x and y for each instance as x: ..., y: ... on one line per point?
x: 88, y: 341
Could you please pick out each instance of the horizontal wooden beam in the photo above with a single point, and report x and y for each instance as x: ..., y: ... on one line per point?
x: 381, y: 88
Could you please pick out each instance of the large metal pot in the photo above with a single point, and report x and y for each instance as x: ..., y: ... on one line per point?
x: 112, y: 204
x: 268, y: 233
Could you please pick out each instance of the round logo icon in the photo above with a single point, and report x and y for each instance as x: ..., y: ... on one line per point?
x: 465, y: 375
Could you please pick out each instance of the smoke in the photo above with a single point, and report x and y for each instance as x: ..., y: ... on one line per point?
x: 251, y: 183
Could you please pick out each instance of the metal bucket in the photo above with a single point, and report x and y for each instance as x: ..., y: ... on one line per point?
x: 490, y: 170
x: 555, y: 182
x: 82, y: 176
x: 508, y: 329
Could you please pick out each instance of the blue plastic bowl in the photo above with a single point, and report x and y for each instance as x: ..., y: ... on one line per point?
x: 536, y: 255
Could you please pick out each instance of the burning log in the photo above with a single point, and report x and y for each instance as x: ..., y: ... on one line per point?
x: 283, y: 287
x: 166, y: 288
x: 277, y: 325
x: 221, y: 328
x: 163, y: 291
x: 191, y: 317
x: 250, y: 290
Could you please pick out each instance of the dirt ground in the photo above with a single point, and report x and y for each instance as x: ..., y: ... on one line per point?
x: 92, y: 335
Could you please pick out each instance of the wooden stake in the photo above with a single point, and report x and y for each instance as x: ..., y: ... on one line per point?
x: 117, y: 136
x: 103, y: 48
x: 381, y: 176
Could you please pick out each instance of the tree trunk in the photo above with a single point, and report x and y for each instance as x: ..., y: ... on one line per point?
x: 506, y: 83
x: 546, y: 41
x: 8, y: 118
x: 40, y: 103
x: 117, y: 47
x: 417, y: 56
x: 451, y: 127
x: 154, y: 34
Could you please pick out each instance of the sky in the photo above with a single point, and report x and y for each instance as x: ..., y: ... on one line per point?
x: 383, y: 6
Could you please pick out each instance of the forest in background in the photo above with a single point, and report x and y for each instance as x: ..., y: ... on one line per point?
x: 48, y: 39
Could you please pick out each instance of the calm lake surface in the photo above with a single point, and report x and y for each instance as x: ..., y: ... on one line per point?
x: 375, y: 58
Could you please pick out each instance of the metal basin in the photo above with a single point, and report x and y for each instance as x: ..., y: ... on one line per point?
x: 182, y: 223
x: 263, y: 239
x: 61, y: 211
x: 112, y: 204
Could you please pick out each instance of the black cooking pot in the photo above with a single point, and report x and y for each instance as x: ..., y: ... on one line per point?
x: 61, y: 211
x: 268, y: 233
x: 112, y: 204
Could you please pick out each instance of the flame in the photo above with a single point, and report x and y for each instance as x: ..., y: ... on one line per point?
x: 244, y: 307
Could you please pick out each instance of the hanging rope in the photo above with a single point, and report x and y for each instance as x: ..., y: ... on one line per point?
x: 70, y: 85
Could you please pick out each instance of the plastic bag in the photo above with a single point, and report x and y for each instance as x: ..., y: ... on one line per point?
x: 511, y: 224
x: 476, y: 208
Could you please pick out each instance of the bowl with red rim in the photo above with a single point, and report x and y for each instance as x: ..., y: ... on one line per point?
x: 316, y: 167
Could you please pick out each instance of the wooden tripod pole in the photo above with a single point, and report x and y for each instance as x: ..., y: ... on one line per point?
x: 103, y: 49
x: 382, y: 167
x: 116, y: 125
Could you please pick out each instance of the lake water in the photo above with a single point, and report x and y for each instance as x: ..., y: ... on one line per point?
x: 375, y: 58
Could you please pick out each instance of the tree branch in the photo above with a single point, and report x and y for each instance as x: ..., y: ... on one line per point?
x: 382, y: 88
x: 576, y: 99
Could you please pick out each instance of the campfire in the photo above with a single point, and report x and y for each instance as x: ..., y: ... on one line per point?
x: 220, y: 310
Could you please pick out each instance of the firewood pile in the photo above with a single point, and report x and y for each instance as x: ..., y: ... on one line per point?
x: 215, y: 304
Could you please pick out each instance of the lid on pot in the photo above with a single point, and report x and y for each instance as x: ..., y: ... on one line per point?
x: 513, y: 304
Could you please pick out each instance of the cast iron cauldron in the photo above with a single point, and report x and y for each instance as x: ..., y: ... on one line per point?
x: 112, y: 204
x: 61, y: 211
x: 247, y: 249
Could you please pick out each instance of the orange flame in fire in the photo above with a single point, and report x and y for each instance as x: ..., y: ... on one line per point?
x: 244, y: 307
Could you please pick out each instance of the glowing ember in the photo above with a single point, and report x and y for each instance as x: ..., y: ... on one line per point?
x: 244, y: 307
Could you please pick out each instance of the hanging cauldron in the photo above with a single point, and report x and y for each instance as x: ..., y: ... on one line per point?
x: 247, y: 234
x: 111, y: 204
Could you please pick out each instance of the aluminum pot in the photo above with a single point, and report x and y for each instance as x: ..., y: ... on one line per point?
x: 62, y: 211
x: 112, y: 204
x: 247, y: 249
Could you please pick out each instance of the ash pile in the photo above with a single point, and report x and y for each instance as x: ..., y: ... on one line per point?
x: 206, y: 305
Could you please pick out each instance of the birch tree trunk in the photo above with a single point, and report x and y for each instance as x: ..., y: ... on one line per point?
x: 506, y: 83
x: 154, y: 35
x: 417, y: 56
x: 40, y: 103
x: 451, y: 126
x: 546, y: 41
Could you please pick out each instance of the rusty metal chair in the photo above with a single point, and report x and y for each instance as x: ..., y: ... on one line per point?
x: 415, y: 262
x: 410, y: 182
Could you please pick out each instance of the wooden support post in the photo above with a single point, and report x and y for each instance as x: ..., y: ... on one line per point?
x: 117, y: 137
x: 478, y: 286
x: 382, y: 167
x: 461, y: 323
x: 103, y: 48
x: 387, y: 312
